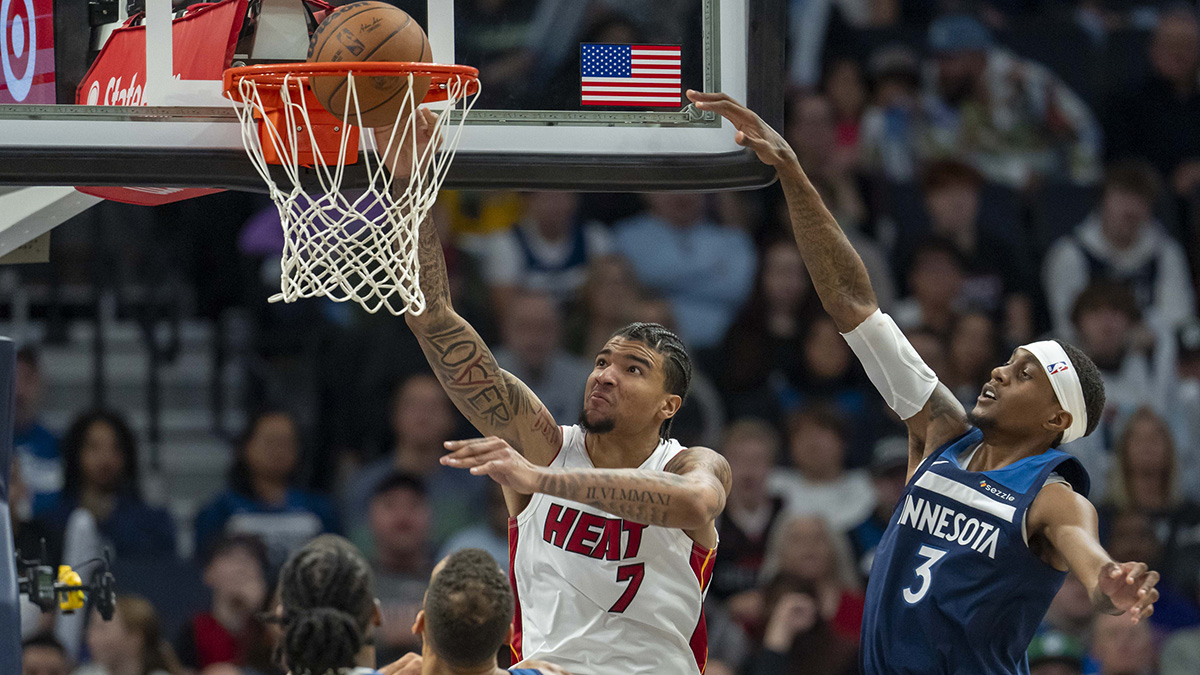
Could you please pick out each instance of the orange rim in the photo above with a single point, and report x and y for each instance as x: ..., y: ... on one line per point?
x: 272, y: 76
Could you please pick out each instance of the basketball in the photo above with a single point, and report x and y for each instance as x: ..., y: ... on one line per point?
x: 369, y: 31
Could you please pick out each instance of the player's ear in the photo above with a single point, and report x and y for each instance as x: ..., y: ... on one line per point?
x: 1059, y: 422
x: 377, y: 614
x: 508, y: 637
x: 418, y: 627
x: 670, y: 405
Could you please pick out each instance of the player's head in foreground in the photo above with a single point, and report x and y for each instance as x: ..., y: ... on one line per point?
x: 1048, y: 390
x: 468, y: 612
x: 639, y: 379
x: 328, y: 608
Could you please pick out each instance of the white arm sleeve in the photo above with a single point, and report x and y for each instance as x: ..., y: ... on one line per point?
x: 892, y: 363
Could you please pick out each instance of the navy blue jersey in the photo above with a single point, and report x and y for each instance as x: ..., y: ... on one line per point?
x: 954, y: 588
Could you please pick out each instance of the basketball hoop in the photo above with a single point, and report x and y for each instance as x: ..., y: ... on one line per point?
x: 360, y: 247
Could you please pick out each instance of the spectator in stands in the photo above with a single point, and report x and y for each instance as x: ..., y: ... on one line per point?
x: 33, y: 444
x: 1052, y: 653
x: 705, y: 269
x: 1010, y: 117
x: 752, y: 448
x: 1122, y: 647
x: 399, y: 520
x: 846, y: 90
x: 932, y: 349
x: 129, y: 644
x: 1122, y: 242
x: 889, y: 473
x: 811, y: 130
x: 1181, y: 651
x: 1106, y: 323
x: 1070, y: 613
x: 829, y: 377
x: 490, y: 535
x: 1159, y: 120
x: 531, y: 349
x: 818, y: 483
x: 422, y: 420
x: 229, y: 631
x: 1145, y: 479
x: 974, y: 351
x: 1133, y: 531
x: 261, y: 500
x: 1184, y: 411
x: 43, y: 655
x: 763, y: 347
x: 100, y: 478
x: 797, y: 638
x: 548, y: 250
x: 936, y: 279
x: 808, y: 548
x: 998, y: 278
x: 892, y: 124
x: 606, y: 304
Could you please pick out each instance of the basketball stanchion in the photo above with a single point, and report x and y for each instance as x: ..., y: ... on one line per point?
x: 338, y: 245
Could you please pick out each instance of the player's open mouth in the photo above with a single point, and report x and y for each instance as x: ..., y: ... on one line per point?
x: 988, y: 393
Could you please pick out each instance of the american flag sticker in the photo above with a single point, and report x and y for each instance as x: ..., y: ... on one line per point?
x: 632, y: 75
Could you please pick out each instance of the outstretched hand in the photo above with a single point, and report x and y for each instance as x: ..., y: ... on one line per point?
x: 399, y: 159
x: 1130, y: 588
x: 752, y: 131
x: 494, y: 457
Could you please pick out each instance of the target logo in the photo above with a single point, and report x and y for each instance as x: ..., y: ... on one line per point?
x: 27, y: 28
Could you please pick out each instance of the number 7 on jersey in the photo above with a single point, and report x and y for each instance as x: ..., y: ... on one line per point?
x: 633, y: 574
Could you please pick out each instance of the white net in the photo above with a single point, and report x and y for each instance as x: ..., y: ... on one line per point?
x: 345, y: 244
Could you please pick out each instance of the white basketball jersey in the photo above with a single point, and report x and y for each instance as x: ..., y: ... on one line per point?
x: 600, y: 595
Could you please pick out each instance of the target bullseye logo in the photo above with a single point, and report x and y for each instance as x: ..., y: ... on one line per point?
x: 18, y: 37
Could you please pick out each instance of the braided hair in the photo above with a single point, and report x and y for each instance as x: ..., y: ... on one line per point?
x: 327, y: 592
x: 677, y: 365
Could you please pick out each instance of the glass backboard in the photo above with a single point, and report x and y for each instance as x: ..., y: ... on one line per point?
x: 69, y: 117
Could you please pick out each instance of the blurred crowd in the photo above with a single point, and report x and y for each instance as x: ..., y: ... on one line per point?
x: 996, y: 193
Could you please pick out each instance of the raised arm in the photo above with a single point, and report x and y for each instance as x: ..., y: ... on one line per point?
x: 929, y: 409
x: 688, y: 494
x: 494, y: 401
x: 1063, y: 530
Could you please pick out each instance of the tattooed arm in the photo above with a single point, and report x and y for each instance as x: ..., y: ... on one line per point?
x: 688, y: 494
x: 494, y: 401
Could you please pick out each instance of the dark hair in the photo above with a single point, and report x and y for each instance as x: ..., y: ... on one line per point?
x: 938, y: 245
x: 76, y: 436
x: 400, y: 480
x: 327, y: 593
x: 1106, y: 295
x: 949, y: 172
x: 249, y: 543
x: 30, y: 356
x: 48, y: 641
x: 1091, y: 383
x: 1136, y: 177
x: 239, y: 473
x: 822, y: 416
x: 677, y: 365
x: 468, y: 609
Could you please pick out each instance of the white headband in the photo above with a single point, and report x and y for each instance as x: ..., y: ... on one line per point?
x: 1065, y: 382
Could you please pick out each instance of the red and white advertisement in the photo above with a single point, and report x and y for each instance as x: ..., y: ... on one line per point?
x: 27, y: 51
x: 202, y: 48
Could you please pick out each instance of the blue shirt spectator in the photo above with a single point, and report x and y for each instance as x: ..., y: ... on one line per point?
x: 422, y: 419
x: 100, y: 476
x: 704, y: 269
x: 260, y: 500
x: 35, y: 447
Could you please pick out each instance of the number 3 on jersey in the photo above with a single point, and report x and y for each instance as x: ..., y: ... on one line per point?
x: 924, y: 574
x: 634, y: 575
